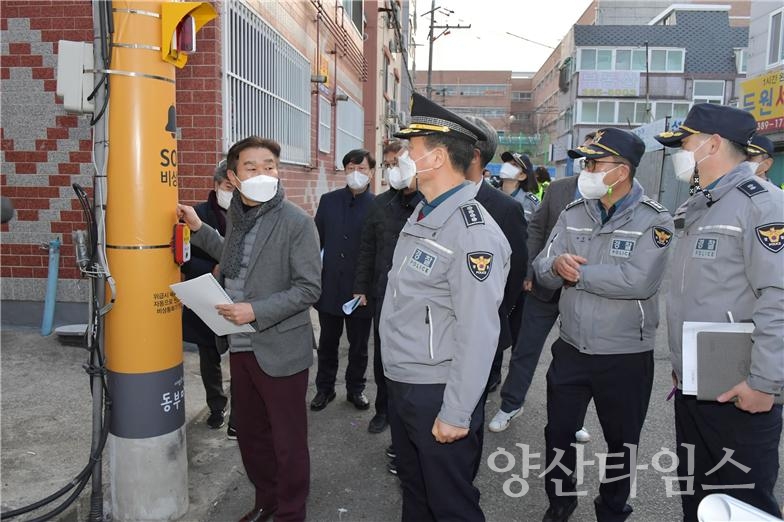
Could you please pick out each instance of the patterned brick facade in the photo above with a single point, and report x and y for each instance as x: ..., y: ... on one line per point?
x: 45, y: 150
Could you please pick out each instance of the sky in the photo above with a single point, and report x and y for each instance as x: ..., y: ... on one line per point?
x: 486, y: 46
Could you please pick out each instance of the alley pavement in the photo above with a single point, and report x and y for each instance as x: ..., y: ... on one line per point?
x: 45, y: 408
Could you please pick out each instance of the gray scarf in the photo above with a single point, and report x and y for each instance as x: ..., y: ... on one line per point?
x: 241, y: 223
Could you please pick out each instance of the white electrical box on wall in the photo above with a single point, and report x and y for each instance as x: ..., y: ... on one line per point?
x: 74, y: 75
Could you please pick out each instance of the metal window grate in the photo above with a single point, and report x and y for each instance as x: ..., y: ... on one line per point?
x: 325, y: 125
x: 350, y: 125
x: 266, y: 85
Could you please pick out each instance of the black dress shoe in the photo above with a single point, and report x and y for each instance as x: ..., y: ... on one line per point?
x: 560, y: 513
x: 359, y: 400
x: 321, y: 400
x: 259, y: 514
x: 378, y: 423
x: 390, y: 451
x: 392, y: 467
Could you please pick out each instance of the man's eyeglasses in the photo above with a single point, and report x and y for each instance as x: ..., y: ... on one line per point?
x: 590, y: 164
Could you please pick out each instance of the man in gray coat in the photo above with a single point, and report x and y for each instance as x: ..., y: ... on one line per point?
x: 608, y: 253
x: 271, y: 268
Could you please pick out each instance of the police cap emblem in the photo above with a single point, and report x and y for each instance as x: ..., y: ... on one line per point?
x: 661, y: 236
x: 771, y: 236
x: 479, y: 264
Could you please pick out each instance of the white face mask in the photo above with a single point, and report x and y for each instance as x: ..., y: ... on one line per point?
x: 356, y: 180
x: 224, y: 198
x: 261, y: 188
x: 684, y: 163
x: 509, y: 171
x: 591, y: 184
x: 398, y: 180
x: 410, y: 162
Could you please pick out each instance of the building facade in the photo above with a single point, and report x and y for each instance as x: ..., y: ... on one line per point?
x: 503, y: 98
x: 763, y: 92
x: 294, y: 71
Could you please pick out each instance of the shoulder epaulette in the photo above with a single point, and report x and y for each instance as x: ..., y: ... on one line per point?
x: 751, y: 187
x: 472, y: 214
x: 655, y: 205
x: 574, y: 203
x: 532, y: 197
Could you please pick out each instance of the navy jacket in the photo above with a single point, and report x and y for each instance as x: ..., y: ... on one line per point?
x: 508, y: 213
x: 339, y: 219
x: 193, y: 329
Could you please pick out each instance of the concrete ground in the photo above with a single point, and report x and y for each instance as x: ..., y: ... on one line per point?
x: 45, y: 417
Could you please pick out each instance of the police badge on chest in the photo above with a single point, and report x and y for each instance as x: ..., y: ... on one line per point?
x: 422, y: 261
x: 621, y: 247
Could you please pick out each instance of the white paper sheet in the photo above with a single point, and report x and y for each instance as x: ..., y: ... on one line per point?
x: 201, y: 294
x: 350, y: 306
x: 689, y: 348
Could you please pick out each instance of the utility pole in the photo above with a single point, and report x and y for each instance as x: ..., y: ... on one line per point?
x: 147, y: 450
x: 446, y: 28
x: 430, y: 53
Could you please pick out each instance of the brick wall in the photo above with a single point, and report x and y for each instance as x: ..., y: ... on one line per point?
x: 199, y: 116
x: 44, y: 149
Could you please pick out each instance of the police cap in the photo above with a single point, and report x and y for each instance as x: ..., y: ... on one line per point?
x: 523, y: 162
x: 760, y: 145
x: 428, y: 118
x: 612, y: 142
x: 708, y: 118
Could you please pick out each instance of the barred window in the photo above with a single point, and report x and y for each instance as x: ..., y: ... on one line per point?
x: 266, y: 85
x: 325, y: 125
x: 350, y: 125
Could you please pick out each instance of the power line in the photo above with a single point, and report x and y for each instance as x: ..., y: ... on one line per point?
x: 529, y: 41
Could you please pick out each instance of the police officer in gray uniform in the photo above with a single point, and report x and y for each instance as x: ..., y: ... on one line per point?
x: 728, y: 263
x: 608, y: 251
x: 439, y: 321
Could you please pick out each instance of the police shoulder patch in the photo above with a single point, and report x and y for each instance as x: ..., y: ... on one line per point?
x: 655, y: 205
x: 751, y: 187
x: 472, y: 215
x: 479, y: 264
x: 574, y: 203
x: 661, y: 236
x: 771, y: 235
x: 532, y: 197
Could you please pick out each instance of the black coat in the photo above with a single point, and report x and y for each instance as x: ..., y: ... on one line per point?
x: 559, y: 194
x: 193, y: 329
x: 386, y: 218
x: 339, y: 220
x: 508, y: 213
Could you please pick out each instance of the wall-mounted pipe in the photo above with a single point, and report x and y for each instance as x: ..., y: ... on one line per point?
x: 51, y: 286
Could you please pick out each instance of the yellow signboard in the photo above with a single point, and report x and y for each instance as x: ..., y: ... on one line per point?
x: 763, y: 97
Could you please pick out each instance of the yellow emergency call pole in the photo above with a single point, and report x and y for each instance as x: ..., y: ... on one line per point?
x: 143, y: 332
